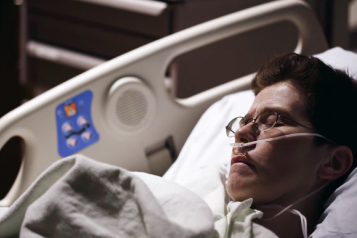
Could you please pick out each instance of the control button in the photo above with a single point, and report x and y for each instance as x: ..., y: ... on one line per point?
x: 86, y: 136
x: 81, y: 121
x: 72, y: 142
x: 70, y: 109
x: 59, y: 113
x: 67, y: 128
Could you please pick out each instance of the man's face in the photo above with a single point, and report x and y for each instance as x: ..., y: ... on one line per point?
x: 281, y: 170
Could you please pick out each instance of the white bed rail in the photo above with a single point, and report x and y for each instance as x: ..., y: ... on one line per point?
x: 143, y: 68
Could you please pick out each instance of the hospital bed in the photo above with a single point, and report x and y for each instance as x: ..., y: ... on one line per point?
x: 121, y: 112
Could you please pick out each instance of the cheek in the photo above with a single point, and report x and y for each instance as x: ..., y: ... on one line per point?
x: 285, y: 163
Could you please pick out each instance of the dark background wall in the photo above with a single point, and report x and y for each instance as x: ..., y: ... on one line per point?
x: 10, y: 155
x: 9, y: 83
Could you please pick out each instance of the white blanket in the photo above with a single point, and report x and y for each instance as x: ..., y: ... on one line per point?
x: 80, y: 197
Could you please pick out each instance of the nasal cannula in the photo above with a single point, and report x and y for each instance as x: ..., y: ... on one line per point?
x: 275, y: 138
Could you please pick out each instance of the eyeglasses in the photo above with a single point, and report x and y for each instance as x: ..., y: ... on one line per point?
x: 263, y: 122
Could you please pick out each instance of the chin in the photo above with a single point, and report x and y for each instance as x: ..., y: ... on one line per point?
x: 240, y: 189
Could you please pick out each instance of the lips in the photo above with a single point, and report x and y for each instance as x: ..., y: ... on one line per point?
x: 241, y: 159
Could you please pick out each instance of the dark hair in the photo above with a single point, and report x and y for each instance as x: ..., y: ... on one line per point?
x: 330, y: 95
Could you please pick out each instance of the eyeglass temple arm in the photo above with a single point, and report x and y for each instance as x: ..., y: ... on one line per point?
x: 229, y: 128
x: 299, y: 124
x: 309, y: 129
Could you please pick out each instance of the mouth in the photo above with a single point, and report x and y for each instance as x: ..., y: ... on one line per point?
x: 241, y: 160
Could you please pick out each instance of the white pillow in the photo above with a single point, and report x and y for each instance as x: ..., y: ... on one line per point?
x: 339, y: 58
x: 208, y: 143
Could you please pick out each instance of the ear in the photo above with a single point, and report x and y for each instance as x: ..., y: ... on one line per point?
x: 339, y: 162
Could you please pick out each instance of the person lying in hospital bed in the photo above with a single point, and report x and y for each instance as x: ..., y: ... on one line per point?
x: 300, y: 96
x: 292, y: 149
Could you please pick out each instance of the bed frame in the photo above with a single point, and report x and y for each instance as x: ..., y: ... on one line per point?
x: 146, y: 133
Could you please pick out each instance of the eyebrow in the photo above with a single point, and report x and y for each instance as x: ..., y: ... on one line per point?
x: 278, y: 110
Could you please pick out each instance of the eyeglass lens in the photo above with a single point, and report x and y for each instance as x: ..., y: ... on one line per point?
x: 263, y: 122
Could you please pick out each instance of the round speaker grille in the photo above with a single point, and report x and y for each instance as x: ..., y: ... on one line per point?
x: 131, y: 108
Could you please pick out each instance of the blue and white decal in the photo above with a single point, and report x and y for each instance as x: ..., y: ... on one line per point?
x: 75, y: 129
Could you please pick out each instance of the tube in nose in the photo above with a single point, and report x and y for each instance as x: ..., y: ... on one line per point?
x: 274, y: 138
x: 235, y: 145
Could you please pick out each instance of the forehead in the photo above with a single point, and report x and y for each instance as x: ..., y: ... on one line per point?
x: 282, y: 98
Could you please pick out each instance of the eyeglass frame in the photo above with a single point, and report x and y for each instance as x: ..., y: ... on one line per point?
x: 249, y: 120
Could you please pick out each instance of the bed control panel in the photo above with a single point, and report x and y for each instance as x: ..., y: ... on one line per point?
x: 75, y: 129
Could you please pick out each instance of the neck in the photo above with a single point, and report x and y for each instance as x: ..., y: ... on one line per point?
x: 288, y: 224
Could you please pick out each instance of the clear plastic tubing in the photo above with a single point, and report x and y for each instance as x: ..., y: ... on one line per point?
x: 275, y: 138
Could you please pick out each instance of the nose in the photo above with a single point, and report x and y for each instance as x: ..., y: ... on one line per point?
x: 245, y: 134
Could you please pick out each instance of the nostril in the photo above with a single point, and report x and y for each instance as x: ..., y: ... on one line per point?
x: 244, y: 140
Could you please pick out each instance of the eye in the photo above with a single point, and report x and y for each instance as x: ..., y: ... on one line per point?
x: 266, y: 120
x: 269, y: 120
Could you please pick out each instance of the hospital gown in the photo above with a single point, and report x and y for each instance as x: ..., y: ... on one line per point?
x: 232, y: 219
